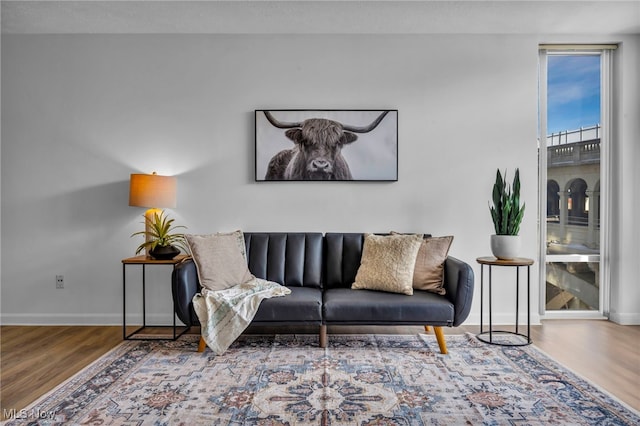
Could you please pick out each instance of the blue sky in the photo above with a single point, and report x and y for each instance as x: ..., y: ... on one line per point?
x: 573, y: 92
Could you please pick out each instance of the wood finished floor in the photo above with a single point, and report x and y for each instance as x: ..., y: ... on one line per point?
x: 35, y: 359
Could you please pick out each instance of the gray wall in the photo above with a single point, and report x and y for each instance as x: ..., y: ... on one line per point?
x: 82, y: 112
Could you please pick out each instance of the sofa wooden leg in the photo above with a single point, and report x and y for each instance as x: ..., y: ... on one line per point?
x: 201, y: 344
x: 323, y: 336
x: 440, y: 337
x: 427, y: 328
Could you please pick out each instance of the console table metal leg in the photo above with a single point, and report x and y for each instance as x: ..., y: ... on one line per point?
x: 124, y: 302
x: 517, y: 296
x: 490, y: 309
x: 144, y: 297
x: 173, y: 312
x: 481, y: 297
x: 529, y: 304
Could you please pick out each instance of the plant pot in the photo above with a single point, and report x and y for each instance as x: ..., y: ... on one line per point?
x: 164, y: 252
x: 505, y: 247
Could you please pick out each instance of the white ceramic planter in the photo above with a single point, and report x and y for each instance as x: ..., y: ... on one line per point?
x: 505, y: 247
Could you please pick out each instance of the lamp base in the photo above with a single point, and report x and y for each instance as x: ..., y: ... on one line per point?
x: 149, y: 219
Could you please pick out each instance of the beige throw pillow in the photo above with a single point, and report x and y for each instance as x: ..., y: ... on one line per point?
x: 387, y: 263
x: 220, y: 259
x: 429, y: 270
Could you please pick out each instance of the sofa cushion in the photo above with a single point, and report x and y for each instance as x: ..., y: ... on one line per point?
x: 388, y: 263
x: 288, y: 258
x: 345, y: 306
x: 429, y: 271
x: 343, y: 252
x: 220, y: 259
x: 303, y: 305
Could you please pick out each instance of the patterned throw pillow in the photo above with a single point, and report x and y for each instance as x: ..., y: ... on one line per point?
x: 220, y: 259
x: 387, y: 263
x: 429, y: 271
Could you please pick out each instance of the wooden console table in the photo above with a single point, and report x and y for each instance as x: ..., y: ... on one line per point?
x: 145, y: 261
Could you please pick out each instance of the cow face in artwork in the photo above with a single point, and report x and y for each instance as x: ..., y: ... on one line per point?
x: 316, y: 154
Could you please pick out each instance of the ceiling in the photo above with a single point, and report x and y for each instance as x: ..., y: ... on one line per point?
x: 321, y: 17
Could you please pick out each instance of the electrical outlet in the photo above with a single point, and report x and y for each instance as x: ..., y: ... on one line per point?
x: 59, y: 281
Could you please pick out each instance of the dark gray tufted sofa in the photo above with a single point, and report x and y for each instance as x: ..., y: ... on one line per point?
x: 319, y: 270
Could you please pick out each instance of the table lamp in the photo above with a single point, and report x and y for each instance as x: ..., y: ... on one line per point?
x: 153, y: 192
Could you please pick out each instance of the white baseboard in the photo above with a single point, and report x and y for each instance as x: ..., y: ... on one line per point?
x: 502, y: 319
x: 625, y: 319
x: 84, y: 319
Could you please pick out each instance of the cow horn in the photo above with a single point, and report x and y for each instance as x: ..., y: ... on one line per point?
x: 366, y: 129
x: 280, y: 124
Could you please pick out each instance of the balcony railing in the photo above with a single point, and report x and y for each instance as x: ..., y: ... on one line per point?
x: 571, y: 136
x: 587, y: 152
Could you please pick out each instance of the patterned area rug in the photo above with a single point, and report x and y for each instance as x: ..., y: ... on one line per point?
x: 357, y: 380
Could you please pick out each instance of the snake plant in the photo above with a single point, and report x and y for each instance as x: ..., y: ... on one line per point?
x: 506, y: 211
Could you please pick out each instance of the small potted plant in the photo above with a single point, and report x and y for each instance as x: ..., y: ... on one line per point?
x: 507, y: 215
x: 160, y: 240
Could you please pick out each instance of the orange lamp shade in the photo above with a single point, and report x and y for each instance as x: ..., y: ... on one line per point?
x: 152, y: 191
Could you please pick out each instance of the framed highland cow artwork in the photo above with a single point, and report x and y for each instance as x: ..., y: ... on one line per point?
x: 326, y: 145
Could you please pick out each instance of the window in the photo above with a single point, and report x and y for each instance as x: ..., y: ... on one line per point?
x: 574, y: 119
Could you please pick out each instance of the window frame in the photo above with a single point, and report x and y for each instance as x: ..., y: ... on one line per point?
x: 605, y: 53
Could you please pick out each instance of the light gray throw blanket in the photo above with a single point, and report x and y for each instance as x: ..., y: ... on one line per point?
x: 225, y: 314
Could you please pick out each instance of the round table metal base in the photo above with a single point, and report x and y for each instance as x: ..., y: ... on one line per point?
x: 483, y: 337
